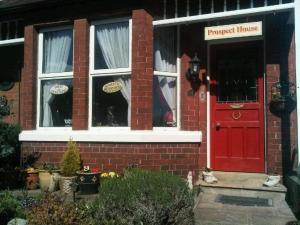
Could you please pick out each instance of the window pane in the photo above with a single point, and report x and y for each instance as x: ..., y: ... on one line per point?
x: 164, y: 101
x: 165, y: 49
x: 56, y: 103
x: 111, y: 101
x: 112, y: 46
x: 58, y: 51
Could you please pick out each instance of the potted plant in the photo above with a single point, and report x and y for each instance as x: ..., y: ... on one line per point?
x: 32, y: 178
x: 69, y: 165
x: 48, y: 177
x: 31, y: 173
x: 88, y: 180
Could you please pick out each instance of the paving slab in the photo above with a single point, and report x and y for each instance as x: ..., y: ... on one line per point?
x: 209, y: 212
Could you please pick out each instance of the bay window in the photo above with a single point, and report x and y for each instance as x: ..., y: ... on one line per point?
x: 110, y: 70
x: 165, y: 79
x: 55, y: 66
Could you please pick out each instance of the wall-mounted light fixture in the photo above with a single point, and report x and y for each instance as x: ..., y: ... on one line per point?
x: 192, y: 74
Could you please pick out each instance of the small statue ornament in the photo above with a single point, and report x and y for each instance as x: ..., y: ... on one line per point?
x: 190, y: 180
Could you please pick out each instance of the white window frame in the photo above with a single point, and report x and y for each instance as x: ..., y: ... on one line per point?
x: 178, y: 84
x: 106, y: 72
x: 49, y: 76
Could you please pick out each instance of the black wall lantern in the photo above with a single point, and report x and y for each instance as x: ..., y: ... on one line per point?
x: 193, y: 72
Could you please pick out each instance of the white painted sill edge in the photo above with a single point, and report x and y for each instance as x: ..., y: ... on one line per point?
x: 113, y: 136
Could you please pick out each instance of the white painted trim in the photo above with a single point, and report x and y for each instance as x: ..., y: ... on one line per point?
x: 178, y: 83
x: 10, y: 42
x: 223, y: 15
x: 114, y: 136
x: 49, y: 76
x: 117, y: 71
x: 208, y: 141
x: 167, y: 74
x: 179, y: 79
x: 297, y: 64
x: 105, y: 72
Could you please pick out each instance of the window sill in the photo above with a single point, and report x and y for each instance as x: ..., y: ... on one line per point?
x: 114, y: 136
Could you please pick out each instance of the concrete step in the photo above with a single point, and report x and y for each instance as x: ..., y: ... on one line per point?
x: 242, y: 181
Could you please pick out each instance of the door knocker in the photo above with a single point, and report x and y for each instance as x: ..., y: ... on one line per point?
x: 236, y: 115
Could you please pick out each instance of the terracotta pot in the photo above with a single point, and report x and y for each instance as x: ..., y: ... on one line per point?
x: 88, y: 182
x: 32, y: 180
x: 65, y: 182
x: 48, y: 181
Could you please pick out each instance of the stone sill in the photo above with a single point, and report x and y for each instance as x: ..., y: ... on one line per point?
x: 113, y: 136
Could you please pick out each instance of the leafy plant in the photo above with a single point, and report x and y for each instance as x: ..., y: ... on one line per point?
x: 4, y: 107
x: 29, y: 160
x: 144, y: 197
x: 49, y: 167
x: 9, y: 144
x: 54, y: 210
x: 71, y: 161
x: 10, y: 207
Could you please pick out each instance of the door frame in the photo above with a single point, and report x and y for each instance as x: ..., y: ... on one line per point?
x: 208, y: 92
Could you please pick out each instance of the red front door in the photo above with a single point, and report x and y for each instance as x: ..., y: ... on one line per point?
x: 237, y: 127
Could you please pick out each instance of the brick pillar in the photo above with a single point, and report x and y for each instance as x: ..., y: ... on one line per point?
x: 28, y: 80
x: 274, y: 156
x: 81, y: 74
x: 142, y: 70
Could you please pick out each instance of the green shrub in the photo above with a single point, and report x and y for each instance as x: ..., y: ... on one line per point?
x: 9, y: 148
x: 4, y: 107
x: 71, y: 161
x: 144, y: 197
x: 53, y: 210
x: 9, y: 144
x: 10, y: 207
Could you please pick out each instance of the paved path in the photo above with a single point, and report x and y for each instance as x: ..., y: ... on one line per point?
x: 209, y: 212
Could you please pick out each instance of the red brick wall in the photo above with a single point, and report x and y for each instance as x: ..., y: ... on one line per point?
x: 81, y: 75
x: 142, y: 70
x: 28, y: 80
x: 280, y: 67
x: 175, y: 158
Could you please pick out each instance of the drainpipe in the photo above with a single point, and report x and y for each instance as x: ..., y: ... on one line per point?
x: 297, y: 55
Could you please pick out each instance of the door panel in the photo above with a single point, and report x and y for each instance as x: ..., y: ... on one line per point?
x: 237, y: 123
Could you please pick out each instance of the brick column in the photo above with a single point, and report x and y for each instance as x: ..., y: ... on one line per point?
x: 274, y: 140
x: 81, y: 74
x: 28, y: 80
x: 142, y: 70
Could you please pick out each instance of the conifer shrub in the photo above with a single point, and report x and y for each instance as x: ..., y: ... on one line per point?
x: 144, y: 197
x: 71, y: 161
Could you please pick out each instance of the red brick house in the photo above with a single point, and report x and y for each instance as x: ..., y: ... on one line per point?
x: 117, y: 78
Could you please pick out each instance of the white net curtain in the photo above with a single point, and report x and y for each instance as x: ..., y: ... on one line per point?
x: 57, y: 58
x: 165, y: 96
x: 113, y: 40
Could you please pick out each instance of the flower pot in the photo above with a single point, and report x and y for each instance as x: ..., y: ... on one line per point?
x: 65, y: 182
x: 88, y: 182
x: 48, y: 181
x: 32, y: 180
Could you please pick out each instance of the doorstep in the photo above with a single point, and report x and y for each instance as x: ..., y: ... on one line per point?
x: 243, y: 181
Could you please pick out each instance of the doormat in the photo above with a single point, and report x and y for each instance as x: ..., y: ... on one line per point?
x: 244, y: 201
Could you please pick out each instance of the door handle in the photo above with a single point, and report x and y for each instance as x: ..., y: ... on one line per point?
x: 218, y: 125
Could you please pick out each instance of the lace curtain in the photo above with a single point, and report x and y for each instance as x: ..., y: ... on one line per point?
x: 113, y: 40
x: 57, y: 57
x: 165, y: 61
